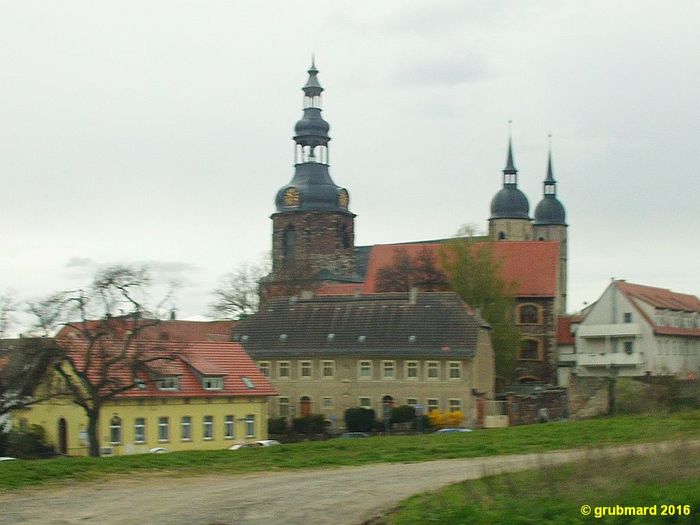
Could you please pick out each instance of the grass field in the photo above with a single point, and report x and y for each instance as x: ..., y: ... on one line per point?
x: 392, y: 449
x: 668, y: 483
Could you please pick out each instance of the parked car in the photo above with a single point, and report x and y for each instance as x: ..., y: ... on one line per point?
x: 158, y: 450
x: 255, y: 444
x: 353, y: 435
x: 452, y: 430
x: 6, y: 458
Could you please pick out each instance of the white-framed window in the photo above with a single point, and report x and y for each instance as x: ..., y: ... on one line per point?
x: 365, y: 369
x: 432, y: 369
x: 168, y: 383
x: 454, y: 369
x: 208, y: 427
x: 433, y: 404
x: 365, y: 402
x: 163, y: 429
x: 328, y: 369
x: 283, y: 369
x: 264, y: 367
x: 213, y: 383
x: 115, y: 430
x: 412, y: 370
x: 250, y: 426
x: 305, y: 369
x: 455, y: 405
x: 627, y: 317
x: 412, y: 401
x: 139, y: 430
x: 186, y: 428
x: 388, y: 369
x: 284, y: 406
x: 327, y: 403
x: 229, y: 427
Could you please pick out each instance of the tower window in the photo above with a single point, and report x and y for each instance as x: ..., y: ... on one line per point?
x: 501, y: 236
x: 289, y: 244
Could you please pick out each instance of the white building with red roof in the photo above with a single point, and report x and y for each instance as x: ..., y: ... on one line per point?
x: 636, y: 330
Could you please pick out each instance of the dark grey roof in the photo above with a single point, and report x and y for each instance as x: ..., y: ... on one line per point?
x: 367, y: 325
x: 510, y: 165
x: 550, y: 211
x: 317, y: 190
x: 510, y: 203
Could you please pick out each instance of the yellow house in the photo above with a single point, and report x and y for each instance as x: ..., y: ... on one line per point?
x: 210, y: 395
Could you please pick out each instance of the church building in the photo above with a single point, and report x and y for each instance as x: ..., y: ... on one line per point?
x: 314, y: 252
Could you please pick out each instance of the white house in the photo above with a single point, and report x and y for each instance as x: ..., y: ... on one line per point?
x: 637, y: 330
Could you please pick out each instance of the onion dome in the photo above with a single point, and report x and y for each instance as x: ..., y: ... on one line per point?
x: 549, y: 210
x: 510, y: 202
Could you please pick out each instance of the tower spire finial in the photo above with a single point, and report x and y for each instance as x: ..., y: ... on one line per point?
x: 550, y: 171
x: 510, y: 171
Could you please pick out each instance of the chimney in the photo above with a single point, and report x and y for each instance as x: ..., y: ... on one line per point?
x: 172, y: 314
x: 413, y: 295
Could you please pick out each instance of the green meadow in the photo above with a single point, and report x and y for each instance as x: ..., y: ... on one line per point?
x: 337, y: 452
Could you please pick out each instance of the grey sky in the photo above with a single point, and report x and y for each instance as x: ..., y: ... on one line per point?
x: 160, y: 131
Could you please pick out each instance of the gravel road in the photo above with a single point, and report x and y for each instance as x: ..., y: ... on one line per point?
x: 343, y: 496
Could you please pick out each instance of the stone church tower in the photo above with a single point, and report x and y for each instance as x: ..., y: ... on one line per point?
x: 313, y: 230
x: 510, y: 211
x: 550, y: 225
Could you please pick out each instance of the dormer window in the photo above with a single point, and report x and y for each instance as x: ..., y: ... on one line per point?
x: 168, y: 383
x: 213, y: 383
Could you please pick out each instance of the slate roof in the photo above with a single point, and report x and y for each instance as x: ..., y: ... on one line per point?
x: 532, y: 265
x: 437, y: 324
x: 188, y: 361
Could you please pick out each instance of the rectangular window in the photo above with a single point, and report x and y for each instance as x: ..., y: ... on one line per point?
x: 163, y: 429
x: 139, y: 430
x: 228, y: 427
x: 629, y: 347
x: 433, y: 368
x: 433, y: 404
x: 208, y: 427
x: 411, y: 401
x: 455, y: 405
x: 455, y: 368
x: 167, y: 383
x: 250, y: 426
x: 283, y: 369
x: 305, y: 369
x: 411, y: 369
x: 328, y: 368
x: 264, y: 367
x: 186, y: 428
x: 115, y: 430
x: 388, y: 369
x: 627, y: 316
x: 365, y: 402
x: 284, y: 406
x: 365, y: 370
x: 213, y: 383
x: 327, y: 402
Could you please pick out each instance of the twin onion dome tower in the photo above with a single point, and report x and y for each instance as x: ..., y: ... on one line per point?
x: 314, y: 229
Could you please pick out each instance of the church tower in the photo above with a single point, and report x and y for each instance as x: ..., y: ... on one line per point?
x: 510, y: 219
x: 550, y: 225
x: 313, y: 231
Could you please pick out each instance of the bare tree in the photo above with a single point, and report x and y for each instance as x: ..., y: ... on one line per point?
x: 238, y: 293
x: 100, y: 352
x: 406, y: 272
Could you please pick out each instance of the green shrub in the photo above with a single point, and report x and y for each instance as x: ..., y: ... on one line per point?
x: 277, y: 425
x: 359, y: 419
x: 403, y: 414
x: 422, y: 423
x: 313, y: 424
x: 28, y: 444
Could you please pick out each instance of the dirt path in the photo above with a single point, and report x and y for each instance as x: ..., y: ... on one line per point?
x: 343, y: 496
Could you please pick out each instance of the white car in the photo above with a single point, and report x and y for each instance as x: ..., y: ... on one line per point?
x: 453, y: 430
x: 6, y: 458
x: 255, y: 444
x: 158, y: 450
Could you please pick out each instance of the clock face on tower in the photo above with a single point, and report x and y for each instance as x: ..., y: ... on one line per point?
x: 343, y: 198
x: 291, y: 198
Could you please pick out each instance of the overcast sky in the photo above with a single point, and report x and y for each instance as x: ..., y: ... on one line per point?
x: 160, y: 131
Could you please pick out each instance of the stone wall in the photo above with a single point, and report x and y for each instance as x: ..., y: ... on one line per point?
x: 588, y: 396
x: 550, y: 404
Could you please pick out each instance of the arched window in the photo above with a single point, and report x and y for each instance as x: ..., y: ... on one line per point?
x: 530, y: 350
x: 289, y: 241
x: 529, y: 314
x: 388, y: 401
x: 501, y: 236
x: 305, y: 406
x: 344, y: 236
x: 529, y: 379
x: 115, y: 430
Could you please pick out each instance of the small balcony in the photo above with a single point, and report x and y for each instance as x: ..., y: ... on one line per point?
x: 610, y: 359
x: 609, y: 330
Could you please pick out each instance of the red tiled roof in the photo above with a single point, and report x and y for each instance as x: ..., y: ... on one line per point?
x: 532, y: 265
x: 664, y: 299
x: 564, y: 326
x: 339, y: 289
x: 171, y: 330
x: 227, y: 359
